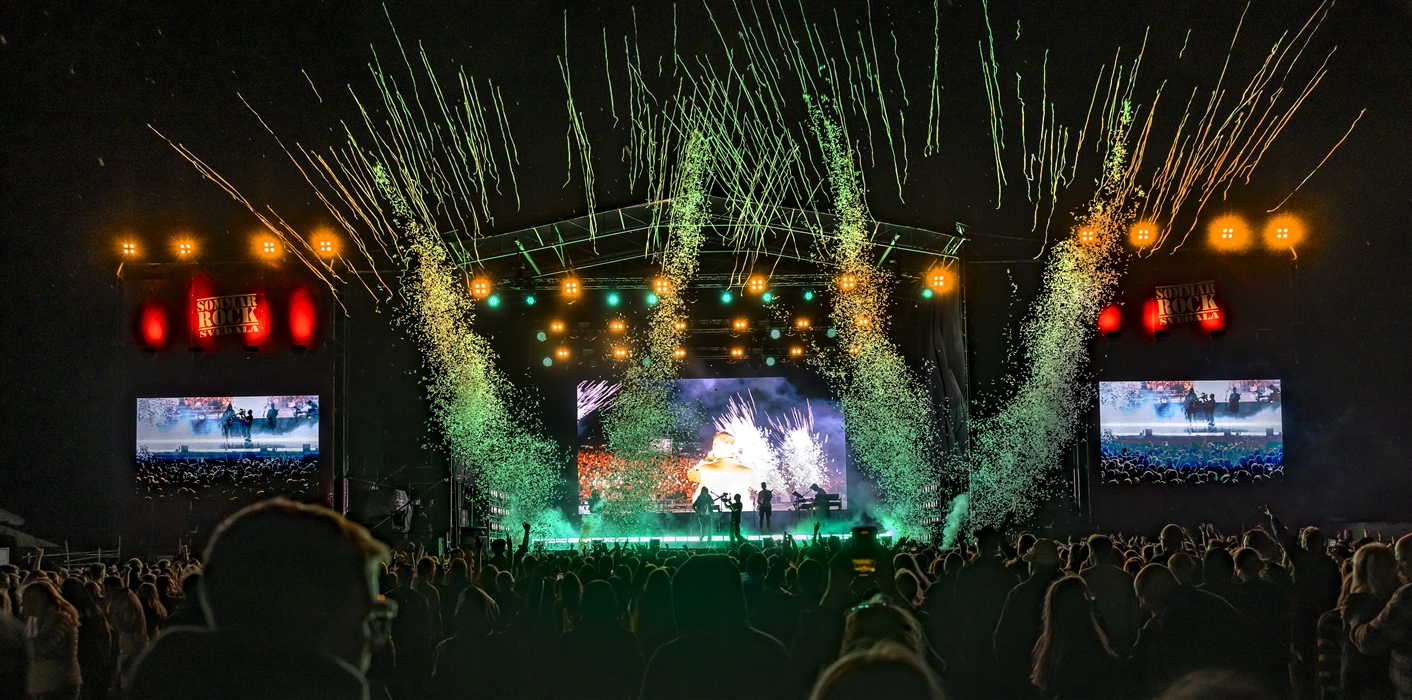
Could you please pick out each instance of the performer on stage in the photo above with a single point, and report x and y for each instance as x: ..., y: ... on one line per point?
x: 720, y: 471
x: 763, y: 497
x: 736, y: 507
x: 702, y: 506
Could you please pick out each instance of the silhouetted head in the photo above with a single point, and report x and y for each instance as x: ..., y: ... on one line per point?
x: 1218, y: 566
x: 1100, y: 549
x: 707, y: 595
x: 600, y: 605
x: 476, y: 613
x: 1154, y: 585
x: 886, y: 669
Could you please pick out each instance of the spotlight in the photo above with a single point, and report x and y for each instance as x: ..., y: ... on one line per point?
x: 832, y: 333
x: 853, y: 350
x: 651, y: 299
x: 493, y: 300
x: 774, y: 334
x: 769, y: 362
x: 661, y: 285
x: 1283, y: 232
x: 480, y: 287
x: 129, y: 249
x: 269, y: 248
x: 571, y: 288
x: 529, y: 300
x: 185, y: 247
x: 926, y: 292
x: 617, y: 326
x: 679, y: 325
x: 801, y: 323
x: 767, y: 297
x: 541, y: 336
x: 847, y: 283
x: 613, y: 299
x: 936, y: 280
x: 725, y: 297
x: 1087, y: 236
x: 1143, y: 234
x: 740, y: 324
x: 679, y: 353
x: 620, y: 353
x: 1229, y: 233
x: 796, y: 351
x: 737, y: 353
x: 325, y: 247
x: 808, y: 295
x: 864, y: 322
x: 324, y: 243
x: 547, y: 362
x: 756, y: 284
x: 1110, y: 319
x: 556, y: 326
x: 562, y: 353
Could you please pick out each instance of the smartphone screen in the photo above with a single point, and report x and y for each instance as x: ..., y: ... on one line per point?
x: 864, y: 546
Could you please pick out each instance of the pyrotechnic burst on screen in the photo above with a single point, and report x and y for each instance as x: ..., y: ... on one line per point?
x: 1225, y: 431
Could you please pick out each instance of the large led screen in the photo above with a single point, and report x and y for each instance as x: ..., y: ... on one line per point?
x: 737, y: 433
x: 232, y: 443
x: 1216, y: 431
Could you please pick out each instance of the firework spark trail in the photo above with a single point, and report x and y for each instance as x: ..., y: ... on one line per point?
x: 577, y: 135
x: 595, y: 395
x: 752, y: 441
x: 801, y: 450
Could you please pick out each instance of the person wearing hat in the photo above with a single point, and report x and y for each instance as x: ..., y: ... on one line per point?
x: 1020, y: 621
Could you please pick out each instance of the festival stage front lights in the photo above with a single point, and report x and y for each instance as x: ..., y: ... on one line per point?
x: 679, y: 325
x: 541, y: 336
x: 767, y: 297
x: 927, y: 292
x: 617, y: 326
x: 493, y: 300
x: 737, y: 353
x: 769, y: 362
x: 801, y: 323
x: 529, y: 300
x: 936, y: 280
x: 796, y: 351
x: 652, y: 299
x: 547, y: 362
x: 808, y: 295
x: 756, y: 284
x: 152, y: 326
x: 570, y: 287
x: 864, y: 322
x: 740, y: 324
x: 620, y: 353
x: 556, y: 326
x: 775, y: 334
x: 1283, y: 232
x: 562, y: 353
x: 129, y: 249
x: 1143, y: 234
x: 679, y: 353
x: 661, y: 285
x: 1088, y: 236
x: 613, y: 298
x: 480, y: 287
x: 847, y: 283
x: 1228, y: 233
x: 185, y: 247
x: 269, y: 247
x: 1110, y: 319
x: 726, y: 297
x: 832, y: 333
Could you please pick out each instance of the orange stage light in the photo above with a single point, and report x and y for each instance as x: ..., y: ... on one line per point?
x: 571, y: 287
x: 796, y: 351
x: 617, y: 326
x: 737, y: 352
x: 1088, y: 236
x: 740, y: 324
x: 620, y: 353
x: 184, y: 246
x: 129, y: 248
x: 755, y: 284
x: 801, y: 324
x: 1284, y: 231
x: 847, y: 283
x: 556, y: 326
x: 480, y: 287
x: 1228, y: 232
x: 1143, y: 234
x: 679, y: 325
x: 562, y: 353
x: 864, y: 322
x: 661, y: 285
x: 679, y: 353
x: 936, y: 279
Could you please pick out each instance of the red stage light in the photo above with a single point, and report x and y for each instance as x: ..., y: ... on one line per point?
x: 302, y: 316
x: 152, y: 325
x: 1149, y: 316
x: 1110, y: 319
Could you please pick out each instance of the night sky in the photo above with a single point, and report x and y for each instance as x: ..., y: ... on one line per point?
x: 81, y: 169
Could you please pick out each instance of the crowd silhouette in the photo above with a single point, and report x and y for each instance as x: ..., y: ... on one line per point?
x: 294, y: 601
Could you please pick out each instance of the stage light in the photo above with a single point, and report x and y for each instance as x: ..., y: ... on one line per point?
x: 185, y: 247
x: 661, y: 285
x: 737, y: 353
x: 679, y: 325
x: 562, y: 353
x: 547, y: 362
x: 613, y: 298
x: 1283, y: 232
x: 679, y: 353
x: 1087, y: 236
x: 617, y: 326
x: 847, y: 283
x: 756, y: 284
x: 480, y: 287
x: 129, y: 249
x: 936, y: 280
x: 325, y: 247
x: 740, y: 325
x: 801, y: 323
x: 808, y: 295
x: 1143, y: 234
x: 1229, y: 233
x: 556, y: 326
x: 854, y: 350
x: 725, y: 297
x: 796, y: 351
x: 570, y: 286
x: 769, y: 362
x: 774, y: 334
x: 152, y: 324
x: 767, y: 297
x: 620, y: 353
x: 269, y: 248
x: 926, y: 292
x: 1110, y: 319
x: 864, y: 322
x: 651, y: 299
x: 541, y: 336
x: 493, y: 300
x: 529, y: 300
x: 832, y: 333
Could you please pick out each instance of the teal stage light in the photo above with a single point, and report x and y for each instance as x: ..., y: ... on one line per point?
x: 809, y: 295
x: 541, y: 337
x: 529, y: 299
x: 833, y: 333
x: 725, y: 297
x: 927, y: 293
x: 651, y: 299
x: 613, y: 299
x: 546, y: 361
x: 774, y: 334
x: 769, y: 362
x: 767, y: 297
x: 493, y: 300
